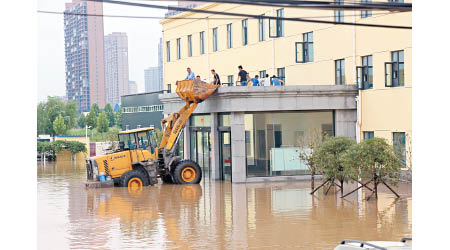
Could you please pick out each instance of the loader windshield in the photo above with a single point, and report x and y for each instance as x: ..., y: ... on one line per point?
x: 143, y: 139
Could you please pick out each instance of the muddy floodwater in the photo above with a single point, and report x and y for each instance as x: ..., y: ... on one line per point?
x: 213, y: 215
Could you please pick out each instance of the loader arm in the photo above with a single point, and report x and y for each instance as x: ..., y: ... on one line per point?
x: 193, y: 92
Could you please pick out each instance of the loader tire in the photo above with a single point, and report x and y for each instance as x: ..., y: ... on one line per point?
x: 187, y: 172
x: 134, y: 178
x: 166, y: 179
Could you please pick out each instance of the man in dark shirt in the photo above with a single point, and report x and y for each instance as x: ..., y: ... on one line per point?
x: 216, y: 78
x: 242, y: 76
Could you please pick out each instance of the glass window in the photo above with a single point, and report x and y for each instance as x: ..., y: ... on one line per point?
x: 231, y: 79
x: 215, y: 41
x: 365, y: 73
x: 202, y: 42
x: 280, y: 23
x: 190, y: 45
x: 400, y: 145
x: 272, y: 140
x: 262, y: 35
x: 224, y: 120
x: 168, y: 50
x: 179, y: 48
x: 368, y: 135
x: 245, y: 31
x: 281, y: 75
x: 262, y: 74
x: 125, y: 139
x: 339, y: 14
x: 143, y: 140
x: 229, y: 36
x: 200, y: 121
x: 395, y: 70
x: 340, y: 72
x: 366, y: 13
x: 305, y: 50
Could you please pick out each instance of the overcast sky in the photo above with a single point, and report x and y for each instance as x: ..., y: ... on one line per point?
x: 143, y: 38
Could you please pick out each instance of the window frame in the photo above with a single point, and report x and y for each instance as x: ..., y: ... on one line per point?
x: 364, y: 72
x: 366, y: 13
x: 189, y: 45
x: 392, y: 76
x: 307, y: 47
x: 339, y: 67
x: 338, y: 14
x: 178, y: 48
x: 262, y: 29
x: 283, y: 75
x: 168, y: 51
x: 245, y: 32
x: 202, y: 42
x: 215, y: 39
x: 229, y: 35
x: 371, y: 134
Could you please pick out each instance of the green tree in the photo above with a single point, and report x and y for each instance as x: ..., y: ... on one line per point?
x: 96, y: 109
x: 308, y: 143
x: 118, y: 119
x: 328, y: 160
x: 70, y: 113
x: 42, y: 119
x: 59, y: 126
x: 91, y: 119
x: 109, y: 114
x: 102, y: 123
x: 81, y: 121
x: 373, y: 159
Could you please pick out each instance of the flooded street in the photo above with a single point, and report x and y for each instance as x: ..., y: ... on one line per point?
x: 213, y: 215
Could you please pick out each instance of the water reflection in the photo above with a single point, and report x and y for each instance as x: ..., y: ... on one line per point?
x: 208, y: 216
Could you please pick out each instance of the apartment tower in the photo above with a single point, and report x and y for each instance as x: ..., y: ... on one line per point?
x: 116, y: 67
x: 83, y: 36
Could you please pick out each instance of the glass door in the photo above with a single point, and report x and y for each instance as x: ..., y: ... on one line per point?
x: 200, y: 150
x: 225, y: 155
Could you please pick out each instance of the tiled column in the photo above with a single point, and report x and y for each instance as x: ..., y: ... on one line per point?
x: 345, y: 121
x: 238, y: 147
x: 215, y: 148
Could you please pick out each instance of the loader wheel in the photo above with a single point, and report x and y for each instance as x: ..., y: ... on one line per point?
x: 166, y: 179
x: 187, y: 172
x: 135, y: 180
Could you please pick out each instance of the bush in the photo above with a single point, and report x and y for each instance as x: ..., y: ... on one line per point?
x: 373, y: 157
x: 328, y: 160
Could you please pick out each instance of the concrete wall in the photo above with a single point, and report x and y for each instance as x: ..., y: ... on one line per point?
x: 242, y: 99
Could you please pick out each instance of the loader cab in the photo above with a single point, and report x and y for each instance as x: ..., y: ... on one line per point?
x: 141, y: 138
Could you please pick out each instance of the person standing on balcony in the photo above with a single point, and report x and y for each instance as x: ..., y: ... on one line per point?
x: 242, y: 76
x: 190, y: 74
x: 254, y: 81
x: 216, y: 78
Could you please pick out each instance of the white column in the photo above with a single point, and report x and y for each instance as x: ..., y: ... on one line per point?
x: 215, y: 148
x: 238, y: 168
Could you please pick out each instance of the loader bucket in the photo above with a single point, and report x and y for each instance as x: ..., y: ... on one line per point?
x: 195, y: 90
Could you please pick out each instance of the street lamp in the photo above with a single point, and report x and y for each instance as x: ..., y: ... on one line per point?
x: 87, y: 131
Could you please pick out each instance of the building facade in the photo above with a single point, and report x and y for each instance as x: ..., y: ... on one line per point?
x: 132, y: 87
x: 84, y: 53
x: 153, y: 81
x: 116, y: 67
x: 375, y: 62
x: 141, y: 110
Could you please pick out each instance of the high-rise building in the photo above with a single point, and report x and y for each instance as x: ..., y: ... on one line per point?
x: 132, y: 88
x: 83, y: 35
x: 116, y: 67
x: 153, y: 81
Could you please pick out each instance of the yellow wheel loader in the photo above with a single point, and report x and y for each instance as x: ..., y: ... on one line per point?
x: 139, y: 161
